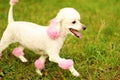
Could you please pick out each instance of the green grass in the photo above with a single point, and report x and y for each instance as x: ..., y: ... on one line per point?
x: 96, y: 55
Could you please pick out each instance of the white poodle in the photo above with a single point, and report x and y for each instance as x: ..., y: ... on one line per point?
x: 44, y: 40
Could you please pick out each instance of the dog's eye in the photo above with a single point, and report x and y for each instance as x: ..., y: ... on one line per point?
x: 74, y: 22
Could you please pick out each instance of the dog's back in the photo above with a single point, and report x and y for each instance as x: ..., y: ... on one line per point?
x: 28, y: 34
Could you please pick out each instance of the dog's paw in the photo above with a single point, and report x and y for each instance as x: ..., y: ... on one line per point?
x: 76, y: 74
x: 39, y: 72
x: 23, y: 59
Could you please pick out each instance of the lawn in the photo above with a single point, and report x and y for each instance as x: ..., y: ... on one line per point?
x: 96, y: 55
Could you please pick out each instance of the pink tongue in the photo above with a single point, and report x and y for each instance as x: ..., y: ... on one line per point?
x: 77, y: 34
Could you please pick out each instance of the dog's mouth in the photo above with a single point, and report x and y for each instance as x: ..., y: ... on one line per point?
x: 75, y: 32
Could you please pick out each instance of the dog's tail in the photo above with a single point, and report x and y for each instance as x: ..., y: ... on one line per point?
x: 10, y: 14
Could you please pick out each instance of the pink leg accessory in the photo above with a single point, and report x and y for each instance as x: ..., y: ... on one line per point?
x: 17, y: 52
x: 39, y: 64
x: 66, y: 64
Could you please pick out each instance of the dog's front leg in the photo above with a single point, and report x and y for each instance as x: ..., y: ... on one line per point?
x: 63, y: 63
x: 40, y: 64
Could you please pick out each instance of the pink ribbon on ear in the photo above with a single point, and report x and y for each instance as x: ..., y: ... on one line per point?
x: 53, y: 29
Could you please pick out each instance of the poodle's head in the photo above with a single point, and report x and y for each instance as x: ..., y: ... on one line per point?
x: 66, y: 21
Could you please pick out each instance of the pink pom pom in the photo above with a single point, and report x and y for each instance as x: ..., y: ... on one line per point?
x: 13, y: 2
x: 52, y: 31
x: 39, y: 64
x: 17, y: 52
x: 65, y: 64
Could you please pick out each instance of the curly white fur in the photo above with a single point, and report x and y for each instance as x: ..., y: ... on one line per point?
x: 36, y: 38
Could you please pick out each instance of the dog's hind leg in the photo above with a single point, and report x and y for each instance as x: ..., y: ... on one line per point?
x: 62, y: 63
x: 40, y: 64
x: 18, y: 52
x: 5, y: 41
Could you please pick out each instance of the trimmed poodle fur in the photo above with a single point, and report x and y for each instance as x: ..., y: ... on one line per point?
x: 44, y: 40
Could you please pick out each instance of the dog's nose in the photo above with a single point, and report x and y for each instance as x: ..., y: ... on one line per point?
x: 83, y: 27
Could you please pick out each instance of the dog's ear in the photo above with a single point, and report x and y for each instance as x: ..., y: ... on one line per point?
x: 54, y: 28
